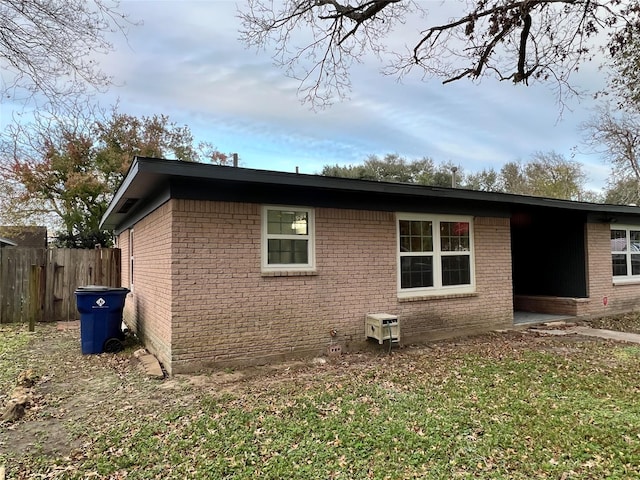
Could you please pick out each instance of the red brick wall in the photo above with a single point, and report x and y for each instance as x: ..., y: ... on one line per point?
x: 226, y: 311
x: 599, y: 270
x: 620, y: 298
x: 148, y: 308
x: 201, y: 300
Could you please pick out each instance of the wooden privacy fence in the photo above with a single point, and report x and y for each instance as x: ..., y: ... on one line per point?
x: 38, y: 284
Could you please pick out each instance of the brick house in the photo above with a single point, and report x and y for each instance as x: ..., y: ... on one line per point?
x: 233, y: 266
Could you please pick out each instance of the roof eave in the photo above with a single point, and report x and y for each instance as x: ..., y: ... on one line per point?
x: 158, y: 170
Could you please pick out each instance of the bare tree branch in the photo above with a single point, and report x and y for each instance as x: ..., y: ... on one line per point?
x: 48, y: 47
x: 617, y: 139
x: 519, y: 40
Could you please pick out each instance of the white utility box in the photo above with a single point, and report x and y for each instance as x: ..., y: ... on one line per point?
x: 382, y: 326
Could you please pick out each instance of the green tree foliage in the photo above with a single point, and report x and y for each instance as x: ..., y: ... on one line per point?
x: 487, y: 180
x: 623, y: 192
x: 68, y: 168
x: 546, y: 175
x: 551, y: 175
x: 393, y: 168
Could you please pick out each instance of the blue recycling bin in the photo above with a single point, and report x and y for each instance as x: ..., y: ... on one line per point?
x: 100, y: 318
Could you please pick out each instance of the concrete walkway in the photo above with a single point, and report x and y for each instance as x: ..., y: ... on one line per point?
x: 607, y: 334
x: 524, y: 318
x: 591, y: 332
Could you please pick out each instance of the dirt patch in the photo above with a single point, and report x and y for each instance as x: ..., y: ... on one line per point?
x: 72, y: 392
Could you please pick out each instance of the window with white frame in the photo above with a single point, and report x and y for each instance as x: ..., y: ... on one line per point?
x: 288, y: 239
x: 625, y: 253
x: 435, y: 255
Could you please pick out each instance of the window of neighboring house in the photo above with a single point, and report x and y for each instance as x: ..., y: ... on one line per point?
x: 625, y: 253
x: 131, y: 259
x: 288, y: 239
x: 435, y: 255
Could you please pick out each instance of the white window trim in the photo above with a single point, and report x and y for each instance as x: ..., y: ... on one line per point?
x: 265, y: 236
x: 629, y: 278
x: 437, y: 288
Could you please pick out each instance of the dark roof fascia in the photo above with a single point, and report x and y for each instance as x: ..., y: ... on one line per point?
x: 262, y: 193
x: 154, y: 201
x: 6, y: 241
x: 128, y: 180
x: 146, y: 173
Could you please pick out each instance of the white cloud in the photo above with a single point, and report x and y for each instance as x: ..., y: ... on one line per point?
x: 186, y: 61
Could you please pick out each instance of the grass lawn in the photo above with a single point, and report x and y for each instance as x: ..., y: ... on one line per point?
x: 509, y: 405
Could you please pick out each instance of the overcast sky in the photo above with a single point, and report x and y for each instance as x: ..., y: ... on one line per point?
x: 186, y: 61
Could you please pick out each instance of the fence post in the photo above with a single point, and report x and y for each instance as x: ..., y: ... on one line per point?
x: 35, y: 286
x: 34, y: 296
x: 37, y: 279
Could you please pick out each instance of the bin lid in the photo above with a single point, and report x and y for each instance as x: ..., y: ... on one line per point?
x: 100, y: 288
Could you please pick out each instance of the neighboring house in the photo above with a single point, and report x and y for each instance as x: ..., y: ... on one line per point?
x: 236, y: 266
x: 25, y: 236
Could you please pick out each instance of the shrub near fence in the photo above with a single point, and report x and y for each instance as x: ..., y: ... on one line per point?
x: 38, y: 284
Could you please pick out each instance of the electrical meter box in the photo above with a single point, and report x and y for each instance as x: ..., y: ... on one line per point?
x: 382, y: 326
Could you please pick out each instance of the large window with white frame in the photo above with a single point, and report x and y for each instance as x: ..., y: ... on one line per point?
x: 625, y: 253
x: 435, y: 255
x: 288, y: 239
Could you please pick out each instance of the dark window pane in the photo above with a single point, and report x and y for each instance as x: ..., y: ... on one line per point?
x: 416, y: 229
x: 619, y: 262
x: 456, y: 270
x: 454, y: 236
x: 300, y: 251
x: 288, y: 251
x: 415, y: 236
x: 416, y: 272
x: 635, y: 264
x: 634, y: 237
x: 274, y: 251
x: 427, y: 244
x: 405, y: 246
x: 274, y: 227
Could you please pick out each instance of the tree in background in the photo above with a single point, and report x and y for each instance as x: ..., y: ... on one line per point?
x: 523, y: 41
x: 545, y: 175
x: 624, y: 81
x: 68, y: 168
x: 487, y: 180
x: 551, y: 175
x: 616, y: 137
x: 393, y: 168
x: 47, y: 47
